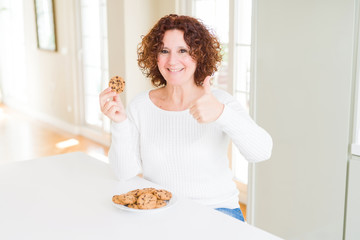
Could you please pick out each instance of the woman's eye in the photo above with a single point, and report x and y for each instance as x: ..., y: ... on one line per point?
x: 164, y: 51
x: 183, y: 51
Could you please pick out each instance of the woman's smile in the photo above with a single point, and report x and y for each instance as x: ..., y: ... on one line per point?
x: 175, y: 69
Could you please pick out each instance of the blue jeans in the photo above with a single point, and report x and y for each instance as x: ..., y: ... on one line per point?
x: 236, y: 212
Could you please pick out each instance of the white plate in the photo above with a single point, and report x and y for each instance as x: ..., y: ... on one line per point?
x: 169, y: 204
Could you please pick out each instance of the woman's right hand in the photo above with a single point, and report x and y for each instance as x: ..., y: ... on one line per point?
x: 111, y: 105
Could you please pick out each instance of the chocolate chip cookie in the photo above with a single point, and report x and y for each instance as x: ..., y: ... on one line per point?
x: 162, y: 194
x: 160, y: 203
x: 124, y: 199
x: 146, y: 201
x: 117, y: 84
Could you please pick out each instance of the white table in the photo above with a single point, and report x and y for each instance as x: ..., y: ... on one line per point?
x: 69, y: 197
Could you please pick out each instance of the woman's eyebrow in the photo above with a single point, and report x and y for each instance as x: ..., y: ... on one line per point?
x: 179, y: 47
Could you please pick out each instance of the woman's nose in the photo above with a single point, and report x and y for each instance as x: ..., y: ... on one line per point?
x: 173, y: 58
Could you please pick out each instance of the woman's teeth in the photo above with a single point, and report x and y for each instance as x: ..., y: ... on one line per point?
x: 175, y: 70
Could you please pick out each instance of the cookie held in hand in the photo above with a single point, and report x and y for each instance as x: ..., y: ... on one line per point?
x: 117, y: 84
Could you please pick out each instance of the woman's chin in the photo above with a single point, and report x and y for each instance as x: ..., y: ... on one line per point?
x: 174, y: 82
x: 179, y: 82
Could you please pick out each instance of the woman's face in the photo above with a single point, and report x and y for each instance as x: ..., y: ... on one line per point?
x: 174, y: 61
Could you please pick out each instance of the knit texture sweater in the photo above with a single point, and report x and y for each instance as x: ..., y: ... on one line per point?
x: 172, y: 149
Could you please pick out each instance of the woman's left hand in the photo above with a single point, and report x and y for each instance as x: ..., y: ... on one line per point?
x: 206, y: 108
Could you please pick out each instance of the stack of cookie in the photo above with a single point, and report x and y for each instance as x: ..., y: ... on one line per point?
x: 146, y: 198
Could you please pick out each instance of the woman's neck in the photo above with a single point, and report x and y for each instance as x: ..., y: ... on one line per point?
x: 176, y: 98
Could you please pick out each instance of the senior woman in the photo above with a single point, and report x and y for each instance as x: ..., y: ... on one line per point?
x: 177, y: 134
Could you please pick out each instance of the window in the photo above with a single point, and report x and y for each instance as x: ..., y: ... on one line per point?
x: 94, y: 61
x: 231, y: 21
x: 242, y: 31
x: 12, y: 53
x: 214, y: 14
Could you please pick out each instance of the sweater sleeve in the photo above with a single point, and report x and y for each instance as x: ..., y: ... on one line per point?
x: 253, y: 142
x: 124, y: 155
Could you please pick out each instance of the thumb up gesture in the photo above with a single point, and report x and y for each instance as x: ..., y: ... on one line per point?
x: 206, y: 108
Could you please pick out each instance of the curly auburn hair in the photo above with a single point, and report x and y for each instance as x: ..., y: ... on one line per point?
x: 204, y: 47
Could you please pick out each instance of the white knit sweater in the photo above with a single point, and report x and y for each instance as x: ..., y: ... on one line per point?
x: 190, y: 159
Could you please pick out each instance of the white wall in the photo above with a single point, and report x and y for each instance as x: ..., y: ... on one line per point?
x: 303, y: 90
x: 128, y: 20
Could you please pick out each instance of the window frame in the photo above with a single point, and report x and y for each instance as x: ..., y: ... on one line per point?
x: 355, y: 146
